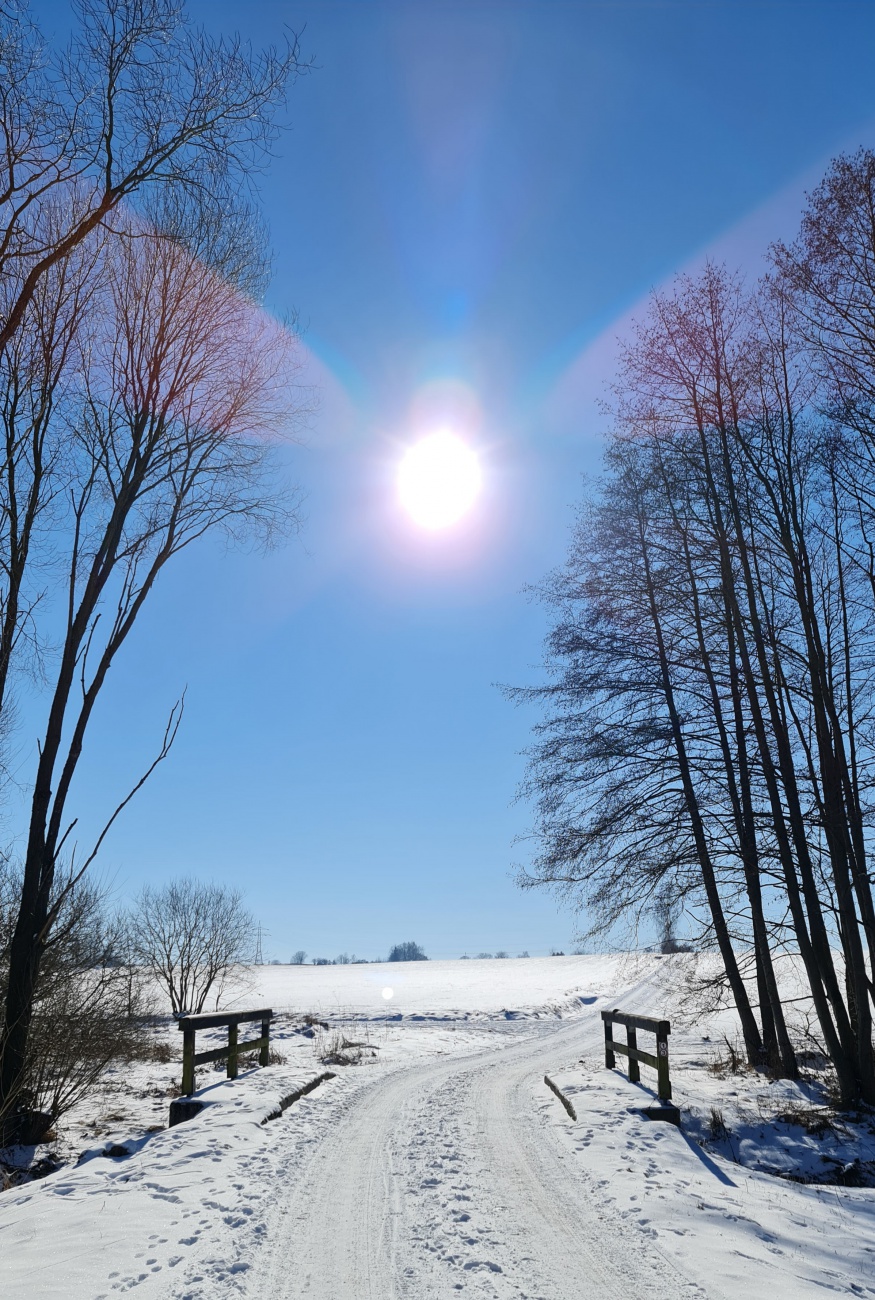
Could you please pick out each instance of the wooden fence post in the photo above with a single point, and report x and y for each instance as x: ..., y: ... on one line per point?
x: 187, y: 1061
x: 263, y: 1055
x: 663, y: 1089
x: 232, y: 1051
x: 634, y: 1067
x: 610, y: 1059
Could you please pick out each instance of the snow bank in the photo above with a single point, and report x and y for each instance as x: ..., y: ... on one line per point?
x: 193, y: 1196
x: 735, y: 1230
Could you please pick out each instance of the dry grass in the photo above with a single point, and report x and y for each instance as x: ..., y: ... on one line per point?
x: 334, y: 1048
x: 729, y: 1058
x: 160, y: 1052
x: 718, y: 1129
x: 814, y: 1121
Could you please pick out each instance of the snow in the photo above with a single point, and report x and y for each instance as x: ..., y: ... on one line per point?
x: 471, y: 989
x: 731, y: 1229
x: 443, y: 1165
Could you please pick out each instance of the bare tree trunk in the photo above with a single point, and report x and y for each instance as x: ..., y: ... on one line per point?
x: 749, y: 1028
x: 776, y: 1047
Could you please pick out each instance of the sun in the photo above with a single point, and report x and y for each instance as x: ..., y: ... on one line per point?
x: 439, y: 480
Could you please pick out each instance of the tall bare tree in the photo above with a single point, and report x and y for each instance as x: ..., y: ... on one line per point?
x: 185, y: 388
x: 708, y: 729
x: 141, y: 390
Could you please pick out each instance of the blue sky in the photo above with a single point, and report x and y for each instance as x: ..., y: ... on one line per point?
x: 472, y: 198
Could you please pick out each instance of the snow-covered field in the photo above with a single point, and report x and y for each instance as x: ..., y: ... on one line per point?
x: 466, y: 989
x: 442, y: 1164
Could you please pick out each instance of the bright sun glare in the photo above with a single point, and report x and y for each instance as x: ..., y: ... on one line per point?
x: 438, y: 480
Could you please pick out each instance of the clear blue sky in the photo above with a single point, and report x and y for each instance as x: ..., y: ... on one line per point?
x: 477, y: 193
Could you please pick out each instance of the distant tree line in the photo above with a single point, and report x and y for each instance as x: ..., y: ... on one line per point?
x: 707, y: 743
x: 400, y: 952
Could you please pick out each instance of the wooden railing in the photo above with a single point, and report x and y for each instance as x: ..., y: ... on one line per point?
x: 233, y: 1019
x: 659, y: 1062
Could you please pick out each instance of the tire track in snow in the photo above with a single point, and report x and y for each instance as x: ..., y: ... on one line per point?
x: 449, y: 1178
x: 575, y: 1240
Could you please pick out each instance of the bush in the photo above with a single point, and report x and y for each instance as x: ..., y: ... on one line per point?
x: 91, y: 1005
x: 407, y: 952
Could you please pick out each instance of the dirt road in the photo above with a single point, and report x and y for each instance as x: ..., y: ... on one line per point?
x: 449, y: 1178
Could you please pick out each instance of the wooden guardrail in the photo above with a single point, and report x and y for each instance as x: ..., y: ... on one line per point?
x: 659, y: 1062
x: 189, y: 1025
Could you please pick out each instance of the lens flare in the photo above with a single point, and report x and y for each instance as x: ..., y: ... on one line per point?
x: 439, y: 480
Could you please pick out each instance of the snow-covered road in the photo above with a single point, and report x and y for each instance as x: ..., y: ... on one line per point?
x: 450, y: 1177
x: 442, y: 1165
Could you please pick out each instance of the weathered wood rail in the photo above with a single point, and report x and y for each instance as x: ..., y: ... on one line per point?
x: 189, y: 1025
x: 561, y: 1095
x: 630, y: 1049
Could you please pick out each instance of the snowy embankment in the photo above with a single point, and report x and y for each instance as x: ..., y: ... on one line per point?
x: 442, y: 1164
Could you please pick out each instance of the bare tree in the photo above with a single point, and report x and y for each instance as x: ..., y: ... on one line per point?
x: 185, y: 387
x: 140, y: 390
x: 708, y: 734
x: 298, y: 958
x: 138, y: 98
x: 192, y: 935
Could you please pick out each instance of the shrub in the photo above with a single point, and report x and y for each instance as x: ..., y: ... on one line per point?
x: 192, y: 935
x: 334, y: 1048
x: 90, y: 1009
